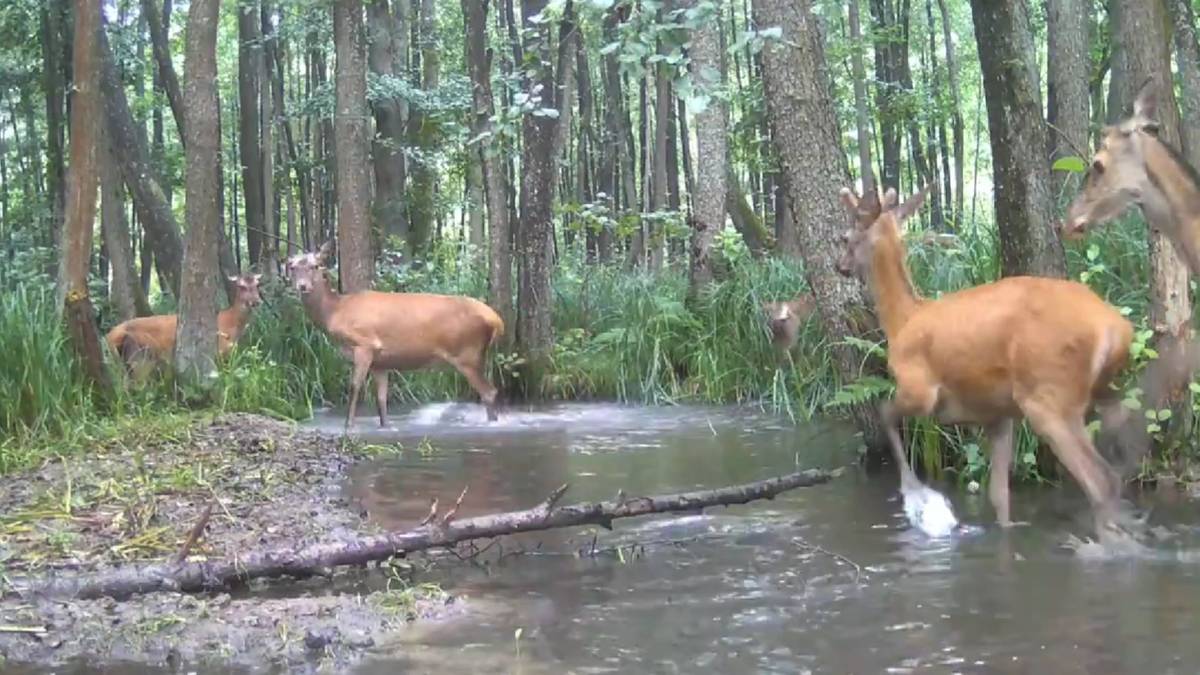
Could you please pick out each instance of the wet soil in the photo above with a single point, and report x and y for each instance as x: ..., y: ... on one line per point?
x: 270, y: 484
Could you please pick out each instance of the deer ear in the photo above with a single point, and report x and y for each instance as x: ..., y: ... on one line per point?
x: 234, y: 280
x: 1145, y: 106
x: 889, y: 199
x: 849, y: 200
x: 908, y: 208
x: 324, y: 251
x: 257, y: 278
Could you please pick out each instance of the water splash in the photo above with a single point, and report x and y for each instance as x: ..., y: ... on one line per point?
x: 928, y: 510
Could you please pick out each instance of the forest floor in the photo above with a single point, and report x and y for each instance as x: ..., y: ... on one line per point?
x: 270, y: 483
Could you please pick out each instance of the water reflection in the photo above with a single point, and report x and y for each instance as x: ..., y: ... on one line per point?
x: 825, y: 579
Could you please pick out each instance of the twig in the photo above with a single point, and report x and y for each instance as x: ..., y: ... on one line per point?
x: 453, y: 510
x: 832, y: 554
x: 433, y: 506
x: 32, y: 630
x: 197, y: 530
x: 1079, y: 153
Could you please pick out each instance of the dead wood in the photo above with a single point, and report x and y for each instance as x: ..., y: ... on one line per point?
x: 305, y: 561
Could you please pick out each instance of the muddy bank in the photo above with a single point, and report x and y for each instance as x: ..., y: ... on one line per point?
x: 269, y: 484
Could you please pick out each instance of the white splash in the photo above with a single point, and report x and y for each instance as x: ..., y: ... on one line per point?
x: 928, y: 510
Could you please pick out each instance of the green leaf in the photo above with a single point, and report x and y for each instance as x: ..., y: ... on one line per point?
x: 1072, y: 164
x: 1028, y: 458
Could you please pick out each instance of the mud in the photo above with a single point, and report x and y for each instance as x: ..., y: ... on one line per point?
x: 270, y: 484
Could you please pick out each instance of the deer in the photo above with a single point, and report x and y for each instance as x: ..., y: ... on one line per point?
x: 153, y: 337
x: 378, y: 331
x: 784, y: 319
x: 1036, y: 348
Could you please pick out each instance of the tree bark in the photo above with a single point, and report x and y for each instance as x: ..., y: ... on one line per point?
x: 479, y: 64
x: 611, y: 138
x: 270, y: 241
x: 862, y: 122
x: 388, y: 59
x: 80, y: 206
x: 441, y: 531
x: 888, y: 53
x: 196, y: 331
x: 534, y: 236
x: 712, y: 131
x: 808, y: 143
x: 52, y: 81
x: 1140, y: 37
x: 356, y: 262
x: 1024, y: 213
x: 1068, y: 64
x: 745, y: 218
x: 250, y: 56
x: 1187, y: 59
x: 153, y: 209
x: 424, y: 136
x: 956, y: 115
x: 161, y: 49
x: 125, y: 292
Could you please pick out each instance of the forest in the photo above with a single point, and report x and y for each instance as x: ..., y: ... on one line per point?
x: 627, y: 183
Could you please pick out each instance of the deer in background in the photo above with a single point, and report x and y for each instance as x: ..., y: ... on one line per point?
x: 1031, y: 347
x: 149, y: 338
x: 784, y: 319
x: 380, y: 331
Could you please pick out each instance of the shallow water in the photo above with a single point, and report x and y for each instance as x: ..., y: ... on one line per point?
x: 823, y: 579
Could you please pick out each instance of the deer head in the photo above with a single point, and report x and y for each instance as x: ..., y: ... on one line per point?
x: 247, y: 290
x: 873, y: 219
x: 305, y: 269
x: 1117, y: 176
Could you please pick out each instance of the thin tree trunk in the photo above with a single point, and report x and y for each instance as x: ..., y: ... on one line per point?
x: 1067, y: 67
x: 196, y: 332
x: 956, y: 115
x: 80, y: 211
x: 887, y: 88
x: 125, y: 293
x: 357, y: 266
x: 1024, y: 214
x: 153, y: 209
x: 424, y: 136
x: 52, y: 81
x: 270, y: 240
x: 388, y: 60
x: 712, y: 129
x: 250, y: 55
x: 165, y: 69
x: 611, y: 139
x: 1187, y: 59
x: 658, y: 173
x: 862, y: 122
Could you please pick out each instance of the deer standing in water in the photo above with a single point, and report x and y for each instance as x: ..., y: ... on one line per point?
x: 380, y: 331
x: 784, y: 319
x: 151, y: 338
x: 1030, y: 347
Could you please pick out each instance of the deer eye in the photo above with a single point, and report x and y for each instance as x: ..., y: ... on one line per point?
x: 1097, y: 167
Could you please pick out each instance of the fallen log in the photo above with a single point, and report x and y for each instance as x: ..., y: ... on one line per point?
x: 314, y: 559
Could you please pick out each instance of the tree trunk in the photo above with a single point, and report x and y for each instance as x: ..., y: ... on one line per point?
x: 388, y: 60
x: 1068, y: 63
x: 712, y: 131
x: 424, y: 136
x: 611, y: 139
x: 153, y: 209
x: 658, y: 173
x: 125, y: 293
x: 1187, y: 59
x: 161, y: 49
x: 745, y: 218
x: 52, y: 81
x: 534, y: 242
x: 957, y: 118
x: 439, y: 532
x: 356, y: 263
x: 479, y: 63
x: 80, y: 211
x: 270, y: 240
x: 196, y: 332
x: 1140, y: 37
x: 888, y: 88
x: 250, y: 55
x: 862, y: 122
x: 808, y: 143
x: 1024, y: 213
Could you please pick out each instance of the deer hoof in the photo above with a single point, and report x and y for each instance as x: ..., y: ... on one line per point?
x: 1009, y: 524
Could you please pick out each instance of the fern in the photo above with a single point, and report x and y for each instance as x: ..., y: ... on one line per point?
x: 862, y: 390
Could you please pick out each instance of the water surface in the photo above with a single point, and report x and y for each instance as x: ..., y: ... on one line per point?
x: 824, y: 579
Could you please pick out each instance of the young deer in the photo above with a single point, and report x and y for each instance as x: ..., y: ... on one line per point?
x: 150, y: 338
x: 784, y: 319
x: 1021, y: 346
x: 379, y: 331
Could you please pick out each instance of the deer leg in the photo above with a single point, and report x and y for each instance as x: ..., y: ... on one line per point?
x: 1069, y: 439
x: 472, y: 369
x: 362, y: 364
x: 381, y: 394
x: 1000, y: 437
x: 911, y: 400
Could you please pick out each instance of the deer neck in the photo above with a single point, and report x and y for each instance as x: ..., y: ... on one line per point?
x: 895, y: 298
x: 233, y: 319
x: 1173, y: 203
x: 321, y: 302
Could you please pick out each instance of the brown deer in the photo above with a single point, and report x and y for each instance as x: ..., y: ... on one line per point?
x: 1134, y: 166
x: 151, y: 338
x: 1028, y: 347
x: 784, y: 319
x: 380, y: 331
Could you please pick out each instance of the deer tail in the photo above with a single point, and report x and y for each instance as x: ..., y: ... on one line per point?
x: 496, y: 324
x: 116, y: 339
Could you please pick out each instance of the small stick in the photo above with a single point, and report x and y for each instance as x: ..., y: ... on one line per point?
x: 194, y: 535
x: 433, y: 506
x: 453, y: 510
x: 32, y: 630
